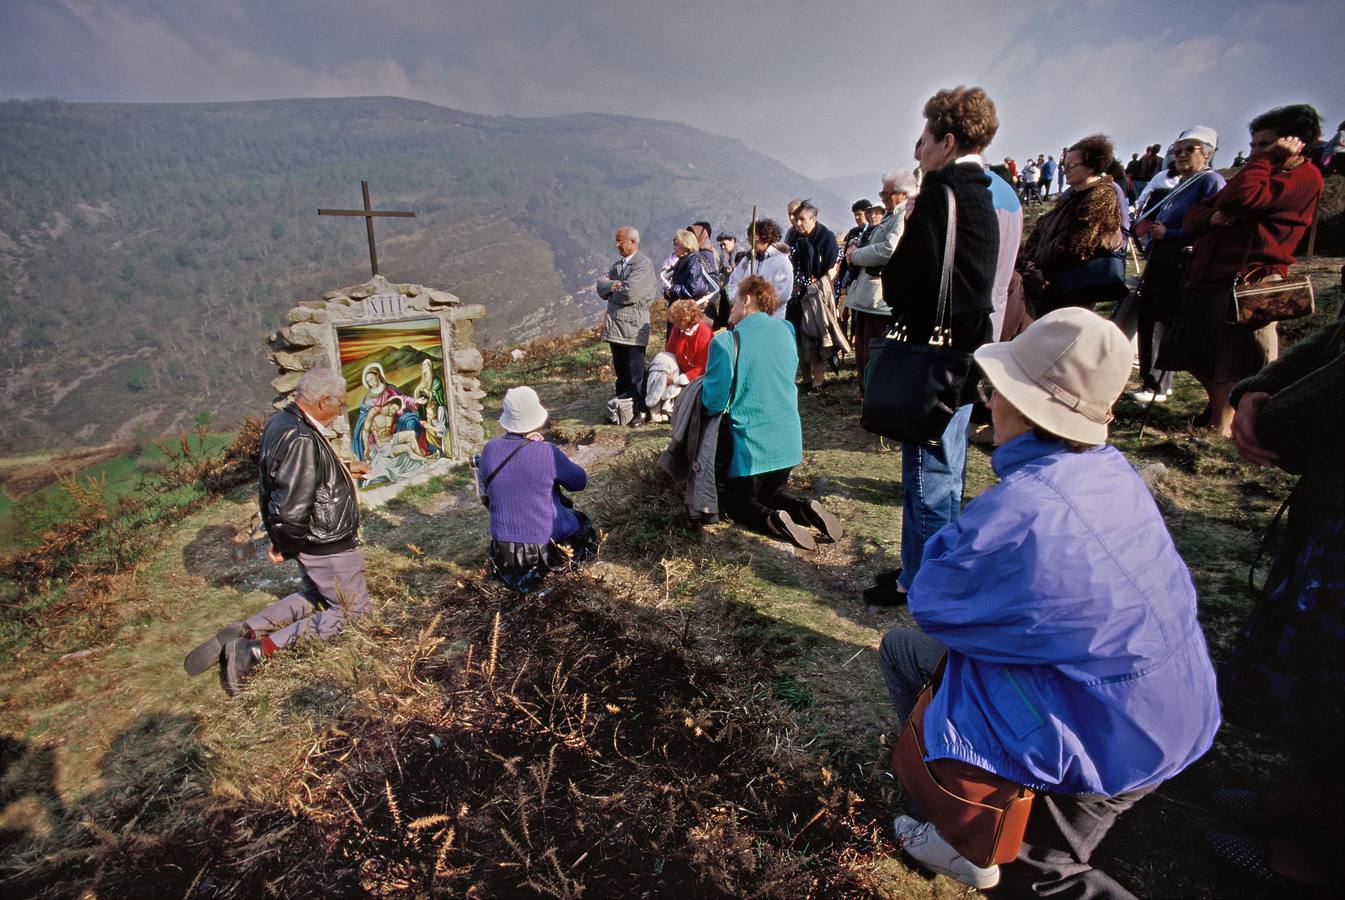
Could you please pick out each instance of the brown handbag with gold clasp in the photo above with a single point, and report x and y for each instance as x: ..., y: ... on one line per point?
x: 1274, y: 299
x: 981, y: 814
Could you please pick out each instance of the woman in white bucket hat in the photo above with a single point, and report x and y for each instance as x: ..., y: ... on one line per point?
x: 533, y: 526
x: 1075, y: 664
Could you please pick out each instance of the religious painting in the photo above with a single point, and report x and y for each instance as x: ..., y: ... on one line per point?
x: 395, y: 396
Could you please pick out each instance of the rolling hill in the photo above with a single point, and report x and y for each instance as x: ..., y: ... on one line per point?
x: 146, y: 249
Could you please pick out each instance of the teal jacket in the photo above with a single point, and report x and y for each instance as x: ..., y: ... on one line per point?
x: 764, y: 414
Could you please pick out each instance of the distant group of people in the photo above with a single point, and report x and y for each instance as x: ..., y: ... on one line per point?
x: 1034, y: 178
x: 1056, y: 609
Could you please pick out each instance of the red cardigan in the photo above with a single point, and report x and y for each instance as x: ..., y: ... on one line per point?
x: 691, y: 350
x: 1269, y: 210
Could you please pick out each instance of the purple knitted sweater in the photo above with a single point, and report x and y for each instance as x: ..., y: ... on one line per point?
x: 524, y: 505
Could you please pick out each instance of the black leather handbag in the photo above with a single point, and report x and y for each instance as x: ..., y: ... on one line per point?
x: 1097, y: 280
x: 911, y: 391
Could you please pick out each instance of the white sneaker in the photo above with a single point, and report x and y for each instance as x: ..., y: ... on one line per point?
x: 1147, y: 397
x: 923, y: 843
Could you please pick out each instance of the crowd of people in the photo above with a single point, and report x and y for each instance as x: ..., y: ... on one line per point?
x: 1057, y: 645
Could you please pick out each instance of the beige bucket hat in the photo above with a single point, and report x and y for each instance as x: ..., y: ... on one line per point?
x: 523, y: 410
x: 1063, y: 373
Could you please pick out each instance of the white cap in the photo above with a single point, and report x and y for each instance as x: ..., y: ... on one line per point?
x: 523, y: 411
x: 1203, y: 133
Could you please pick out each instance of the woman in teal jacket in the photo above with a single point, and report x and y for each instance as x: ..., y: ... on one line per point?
x: 750, y: 376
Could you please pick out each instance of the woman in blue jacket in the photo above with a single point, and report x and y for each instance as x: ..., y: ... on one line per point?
x: 1075, y: 664
x: 750, y: 376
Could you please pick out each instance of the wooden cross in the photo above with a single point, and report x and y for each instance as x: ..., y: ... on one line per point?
x: 368, y: 215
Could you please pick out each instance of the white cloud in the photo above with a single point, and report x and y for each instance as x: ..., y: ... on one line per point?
x: 829, y: 89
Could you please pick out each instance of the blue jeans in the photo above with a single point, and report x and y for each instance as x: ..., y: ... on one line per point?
x: 931, y: 483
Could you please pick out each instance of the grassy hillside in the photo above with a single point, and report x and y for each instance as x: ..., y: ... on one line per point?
x: 699, y: 713
x: 145, y: 249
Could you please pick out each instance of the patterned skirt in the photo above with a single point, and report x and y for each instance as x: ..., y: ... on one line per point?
x: 1285, y: 674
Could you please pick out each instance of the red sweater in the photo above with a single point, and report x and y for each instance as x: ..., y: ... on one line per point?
x: 691, y: 350
x: 1268, y: 210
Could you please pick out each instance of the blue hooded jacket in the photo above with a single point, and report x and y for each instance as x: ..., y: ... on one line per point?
x: 1075, y: 664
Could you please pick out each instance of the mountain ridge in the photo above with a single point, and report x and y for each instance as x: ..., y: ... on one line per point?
x: 176, y: 235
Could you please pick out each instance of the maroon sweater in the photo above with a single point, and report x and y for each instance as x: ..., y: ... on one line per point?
x: 1268, y: 210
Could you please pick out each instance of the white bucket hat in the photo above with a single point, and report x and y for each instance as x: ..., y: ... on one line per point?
x: 1063, y: 373
x: 523, y: 412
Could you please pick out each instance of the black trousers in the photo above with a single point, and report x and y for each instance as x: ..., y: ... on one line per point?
x: 1062, y: 833
x: 750, y: 500
x: 628, y: 361
x: 1159, y: 297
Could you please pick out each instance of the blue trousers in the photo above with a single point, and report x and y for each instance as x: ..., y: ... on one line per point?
x: 931, y: 484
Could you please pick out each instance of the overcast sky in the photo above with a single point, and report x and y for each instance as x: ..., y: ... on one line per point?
x: 828, y: 87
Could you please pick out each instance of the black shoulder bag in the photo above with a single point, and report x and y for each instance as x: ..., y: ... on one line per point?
x: 911, y: 391
x: 485, y: 483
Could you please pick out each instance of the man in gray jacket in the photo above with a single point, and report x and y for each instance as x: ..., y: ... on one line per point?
x: 629, y: 291
x: 872, y: 316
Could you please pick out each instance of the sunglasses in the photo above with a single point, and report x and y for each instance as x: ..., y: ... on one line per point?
x: 985, y: 390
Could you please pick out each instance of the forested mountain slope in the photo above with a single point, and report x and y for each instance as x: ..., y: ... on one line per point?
x: 146, y: 249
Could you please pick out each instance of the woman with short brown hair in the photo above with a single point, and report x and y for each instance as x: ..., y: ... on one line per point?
x: 1084, y: 226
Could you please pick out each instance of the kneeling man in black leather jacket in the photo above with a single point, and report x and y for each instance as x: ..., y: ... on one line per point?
x: 310, y: 510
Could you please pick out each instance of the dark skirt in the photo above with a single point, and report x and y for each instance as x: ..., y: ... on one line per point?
x: 523, y: 567
x: 868, y: 327
x: 1202, y: 342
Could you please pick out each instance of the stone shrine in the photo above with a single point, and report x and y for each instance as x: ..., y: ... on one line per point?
x: 411, y: 369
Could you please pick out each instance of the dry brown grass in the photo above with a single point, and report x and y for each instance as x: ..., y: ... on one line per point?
x: 558, y: 745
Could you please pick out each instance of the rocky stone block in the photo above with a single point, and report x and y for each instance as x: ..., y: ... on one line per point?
x: 471, y: 433
x: 467, y: 360
x: 300, y: 314
x: 286, y: 383
x: 303, y: 334
x: 300, y: 361
x: 467, y: 383
x: 442, y: 298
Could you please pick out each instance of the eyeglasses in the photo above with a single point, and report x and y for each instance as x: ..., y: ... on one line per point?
x: 985, y: 390
x: 1068, y: 166
x: 1183, y: 151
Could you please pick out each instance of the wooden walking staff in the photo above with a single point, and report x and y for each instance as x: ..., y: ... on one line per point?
x: 368, y: 213
x: 752, y: 244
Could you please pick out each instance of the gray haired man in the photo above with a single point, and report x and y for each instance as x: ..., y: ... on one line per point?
x: 629, y: 292
x: 312, y: 515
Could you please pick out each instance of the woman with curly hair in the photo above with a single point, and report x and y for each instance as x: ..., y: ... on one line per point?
x: 1246, y: 231
x: 1085, y: 224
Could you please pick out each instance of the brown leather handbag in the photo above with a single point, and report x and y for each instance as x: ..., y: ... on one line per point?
x: 981, y: 814
x: 1274, y: 299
